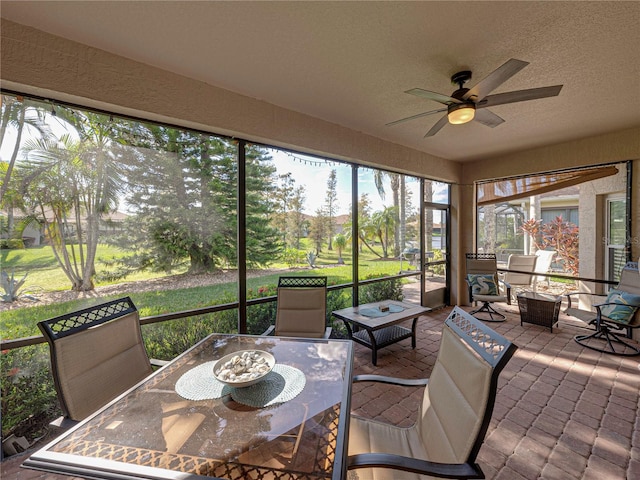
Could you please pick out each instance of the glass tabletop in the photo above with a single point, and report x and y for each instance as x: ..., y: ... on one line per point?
x: 154, y: 432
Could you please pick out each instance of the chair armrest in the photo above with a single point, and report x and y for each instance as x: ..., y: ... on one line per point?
x: 269, y: 331
x: 568, y: 295
x: 158, y: 363
x: 406, y: 382
x: 408, y: 464
x: 327, y: 332
x: 507, y: 286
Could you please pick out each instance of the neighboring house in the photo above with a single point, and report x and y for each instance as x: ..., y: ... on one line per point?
x: 34, y: 233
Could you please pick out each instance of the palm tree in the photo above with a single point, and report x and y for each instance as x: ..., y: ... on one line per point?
x: 72, y: 181
x: 340, y: 242
x: 14, y: 115
x: 398, y: 191
x: 384, y: 221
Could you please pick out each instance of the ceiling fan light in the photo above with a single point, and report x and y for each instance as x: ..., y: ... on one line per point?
x: 460, y: 113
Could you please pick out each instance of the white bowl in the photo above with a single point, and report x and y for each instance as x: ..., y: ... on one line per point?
x: 243, y: 377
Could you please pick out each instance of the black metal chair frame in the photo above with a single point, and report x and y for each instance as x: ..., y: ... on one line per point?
x: 486, y: 305
x: 606, y: 329
x: 304, y: 281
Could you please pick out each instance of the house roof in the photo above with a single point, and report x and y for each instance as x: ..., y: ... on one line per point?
x: 350, y: 63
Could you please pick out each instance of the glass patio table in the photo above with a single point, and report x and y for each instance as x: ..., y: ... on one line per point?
x: 181, y: 423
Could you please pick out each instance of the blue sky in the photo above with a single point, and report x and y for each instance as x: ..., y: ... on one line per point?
x: 312, y: 173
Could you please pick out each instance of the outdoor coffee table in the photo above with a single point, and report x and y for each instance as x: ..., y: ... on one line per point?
x: 539, y: 308
x: 376, y: 329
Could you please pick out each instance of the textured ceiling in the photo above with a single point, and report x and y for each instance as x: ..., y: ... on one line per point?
x: 350, y: 62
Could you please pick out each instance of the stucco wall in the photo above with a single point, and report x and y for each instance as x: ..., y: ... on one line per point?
x: 614, y: 147
x: 38, y: 63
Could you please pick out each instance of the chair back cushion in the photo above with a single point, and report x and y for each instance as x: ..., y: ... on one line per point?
x: 525, y: 263
x: 630, y: 279
x: 301, y: 312
x: 622, y: 306
x: 484, y: 264
x: 455, y: 401
x: 626, y: 297
x: 482, y: 284
x: 95, y: 365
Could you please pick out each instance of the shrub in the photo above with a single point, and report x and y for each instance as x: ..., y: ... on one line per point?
x: 337, y: 300
x: 437, y: 269
x: 11, y: 244
x: 292, y: 257
x: 262, y: 315
x: 169, y: 339
x: 385, y: 290
x: 28, y: 393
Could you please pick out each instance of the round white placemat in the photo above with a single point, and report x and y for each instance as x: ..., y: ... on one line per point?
x: 281, y: 384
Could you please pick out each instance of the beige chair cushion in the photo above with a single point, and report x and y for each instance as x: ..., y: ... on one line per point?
x: 449, y: 419
x: 490, y: 298
x: 98, y: 364
x: 482, y: 265
x: 301, y: 312
x: 524, y: 263
x: 629, y: 281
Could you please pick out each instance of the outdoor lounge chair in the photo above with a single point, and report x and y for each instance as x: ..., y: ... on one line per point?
x: 454, y: 415
x: 484, y: 285
x: 543, y: 265
x: 302, y: 308
x: 618, y: 313
x: 522, y: 263
x: 96, y: 354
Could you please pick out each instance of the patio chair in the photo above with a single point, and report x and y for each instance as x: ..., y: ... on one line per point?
x: 523, y: 263
x: 620, y: 312
x: 96, y: 354
x: 454, y: 415
x: 543, y: 265
x: 302, y: 308
x: 484, y: 285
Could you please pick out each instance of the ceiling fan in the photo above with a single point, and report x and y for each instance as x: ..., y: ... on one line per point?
x: 467, y: 104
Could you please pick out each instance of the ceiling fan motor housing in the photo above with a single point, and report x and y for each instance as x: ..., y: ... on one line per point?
x: 465, y: 117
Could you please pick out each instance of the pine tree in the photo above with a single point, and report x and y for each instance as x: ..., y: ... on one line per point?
x: 331, y: 207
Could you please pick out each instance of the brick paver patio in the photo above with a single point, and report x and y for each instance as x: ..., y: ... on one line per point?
x: 562, y: 411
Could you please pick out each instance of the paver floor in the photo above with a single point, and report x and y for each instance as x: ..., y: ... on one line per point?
x: 562, y: 411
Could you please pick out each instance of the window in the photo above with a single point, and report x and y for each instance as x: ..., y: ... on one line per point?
x: 551, y: 219
x: 119, y: 206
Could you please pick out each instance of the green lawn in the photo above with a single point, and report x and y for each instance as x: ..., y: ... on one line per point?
x: 44, y: 275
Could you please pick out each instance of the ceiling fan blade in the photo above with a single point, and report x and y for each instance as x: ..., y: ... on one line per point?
x: 413, y: 117
x: 495, y: 79
x: 519, y: 96
x: 437, y: 97
x: 437, y: 127
x: 488, y: 118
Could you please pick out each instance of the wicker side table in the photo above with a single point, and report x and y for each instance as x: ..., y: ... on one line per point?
x: 539, y: 309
